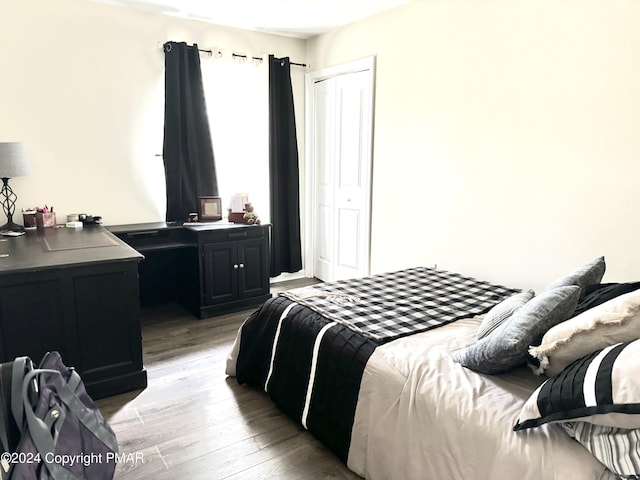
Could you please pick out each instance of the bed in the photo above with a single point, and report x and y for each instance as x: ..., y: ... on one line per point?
x: 382, y: 371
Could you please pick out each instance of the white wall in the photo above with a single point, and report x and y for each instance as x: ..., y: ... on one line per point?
x: 509, y: 127
x: 81, y: 84
x: 507, y: 135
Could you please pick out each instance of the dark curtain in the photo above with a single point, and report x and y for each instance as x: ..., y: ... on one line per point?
x: 188, y: 154
x: 286, y: 252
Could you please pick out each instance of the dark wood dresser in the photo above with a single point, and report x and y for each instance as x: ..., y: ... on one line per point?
x: 75, y: 291
x: 210, y: 268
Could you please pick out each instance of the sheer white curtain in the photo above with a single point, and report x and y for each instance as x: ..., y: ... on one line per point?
x: 237, y: 95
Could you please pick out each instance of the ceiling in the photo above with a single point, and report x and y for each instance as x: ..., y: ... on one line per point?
x: 294, y: 18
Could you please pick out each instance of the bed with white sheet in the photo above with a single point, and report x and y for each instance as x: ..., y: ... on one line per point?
x: 374, y: 369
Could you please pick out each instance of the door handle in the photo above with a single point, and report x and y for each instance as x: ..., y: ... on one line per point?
x: 242, y: 265
x: 235, y: 266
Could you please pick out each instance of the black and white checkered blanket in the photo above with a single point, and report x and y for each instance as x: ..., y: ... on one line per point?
x: 391, y: 305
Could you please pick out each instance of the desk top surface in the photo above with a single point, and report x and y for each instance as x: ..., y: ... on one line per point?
x: 197, y: 227
x: 143, y: 227
x: 49, y: 248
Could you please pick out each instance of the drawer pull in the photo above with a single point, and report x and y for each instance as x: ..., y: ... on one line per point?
x: 235, y: 266
x: 242, y: 265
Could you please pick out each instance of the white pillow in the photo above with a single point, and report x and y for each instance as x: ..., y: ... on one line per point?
x: 617, y: 320
x: 501, y: 312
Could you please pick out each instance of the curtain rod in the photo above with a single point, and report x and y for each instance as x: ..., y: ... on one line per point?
x: 239, y: 55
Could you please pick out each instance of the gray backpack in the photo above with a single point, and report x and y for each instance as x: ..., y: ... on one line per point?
x: 49, y: 426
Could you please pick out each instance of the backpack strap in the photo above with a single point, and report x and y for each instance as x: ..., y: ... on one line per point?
x: 21, y: 366
x: 11, y: 407
x: 5, y: 405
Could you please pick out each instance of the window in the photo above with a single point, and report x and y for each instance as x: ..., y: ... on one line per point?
x: 237, y: 93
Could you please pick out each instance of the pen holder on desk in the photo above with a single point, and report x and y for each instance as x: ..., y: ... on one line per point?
x: 29, y: 219
x: 45, y: 219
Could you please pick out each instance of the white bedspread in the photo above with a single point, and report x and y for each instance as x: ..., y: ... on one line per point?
x: 422, y: 416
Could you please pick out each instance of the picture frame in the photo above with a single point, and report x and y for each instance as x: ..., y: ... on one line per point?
x: 210, y: 209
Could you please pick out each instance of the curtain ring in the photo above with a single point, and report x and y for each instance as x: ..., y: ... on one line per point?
x: 282, y: 63
x: 167, y: 47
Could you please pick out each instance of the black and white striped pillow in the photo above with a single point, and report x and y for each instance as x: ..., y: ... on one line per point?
x: 602, y: 388
x: 617, y: 448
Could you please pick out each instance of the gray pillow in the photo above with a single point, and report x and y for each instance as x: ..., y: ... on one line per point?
x: 502, y: 312
x: 507, y: 346
x: 588, y: 274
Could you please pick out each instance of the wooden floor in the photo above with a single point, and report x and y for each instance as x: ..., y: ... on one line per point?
x: 193, y: 422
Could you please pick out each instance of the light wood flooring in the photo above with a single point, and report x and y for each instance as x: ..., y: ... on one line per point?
x: 193, y: 422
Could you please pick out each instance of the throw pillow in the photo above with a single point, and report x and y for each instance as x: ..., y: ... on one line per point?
x: 502, y: 311
x: 617, y: 448
x: 588, y: 274
x: 507, y: 347
x: 615, y: 321
x: 599, y: 293
x: 602, y: 388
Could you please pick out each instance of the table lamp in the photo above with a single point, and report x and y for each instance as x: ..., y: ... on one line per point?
x: 13, y: 163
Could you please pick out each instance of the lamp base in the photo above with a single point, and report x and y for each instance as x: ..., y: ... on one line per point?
x: 11, y: 227
x: 8, y: 203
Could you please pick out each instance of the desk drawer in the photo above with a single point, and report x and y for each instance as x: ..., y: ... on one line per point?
x: 155, y: 239
x: 237, y: 233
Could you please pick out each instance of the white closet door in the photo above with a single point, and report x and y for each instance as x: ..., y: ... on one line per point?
x: 325, y: 189
x: 342, y: 151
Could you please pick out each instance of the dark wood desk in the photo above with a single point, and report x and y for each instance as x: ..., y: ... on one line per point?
x: 75, y: 291
x: 169, y: 269
x: 210, y: 268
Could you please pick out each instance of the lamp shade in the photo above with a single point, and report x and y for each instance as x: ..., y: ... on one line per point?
x: 13, y: 161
